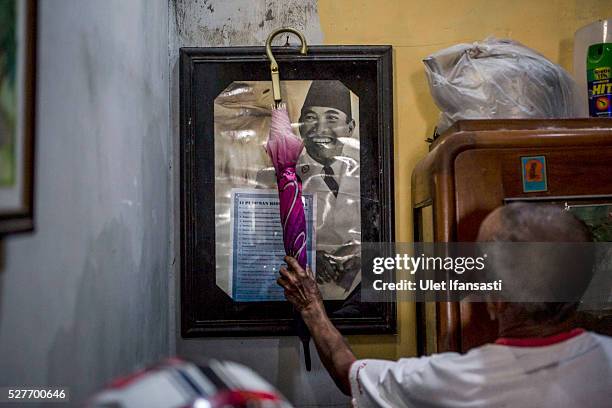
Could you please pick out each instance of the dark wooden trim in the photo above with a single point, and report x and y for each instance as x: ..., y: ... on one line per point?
x: 559, y: 198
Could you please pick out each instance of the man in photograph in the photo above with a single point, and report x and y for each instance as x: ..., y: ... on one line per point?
x: 331, y: 168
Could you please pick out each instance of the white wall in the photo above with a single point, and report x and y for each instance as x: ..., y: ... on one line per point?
x: 84, y: 298
x: 200, y: 23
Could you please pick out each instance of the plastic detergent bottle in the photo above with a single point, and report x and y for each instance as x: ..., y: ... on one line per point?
x: 599, y: 80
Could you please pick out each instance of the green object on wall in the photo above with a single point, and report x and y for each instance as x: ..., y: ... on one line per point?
x: 8, y: 90
x: 599, y: 79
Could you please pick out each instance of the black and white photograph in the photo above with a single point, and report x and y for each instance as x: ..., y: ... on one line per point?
x: 325, y: 114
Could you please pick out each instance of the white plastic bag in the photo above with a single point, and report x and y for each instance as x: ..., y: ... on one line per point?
x: 498, y: 79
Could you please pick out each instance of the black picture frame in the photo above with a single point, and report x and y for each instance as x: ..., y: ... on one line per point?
x: 204, y: 73
x: 21, y: 217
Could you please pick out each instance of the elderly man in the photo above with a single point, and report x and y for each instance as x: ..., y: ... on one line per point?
x: 540, y: 360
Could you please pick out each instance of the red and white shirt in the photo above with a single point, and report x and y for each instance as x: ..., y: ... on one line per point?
x: 571, y: 369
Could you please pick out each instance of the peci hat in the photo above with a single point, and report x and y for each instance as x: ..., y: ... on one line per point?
x: 329, y: 93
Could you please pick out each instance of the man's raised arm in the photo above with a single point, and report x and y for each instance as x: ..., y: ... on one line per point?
x: 302, y: 291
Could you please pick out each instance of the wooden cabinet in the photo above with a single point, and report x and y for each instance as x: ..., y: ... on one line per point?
x: 477, y: 166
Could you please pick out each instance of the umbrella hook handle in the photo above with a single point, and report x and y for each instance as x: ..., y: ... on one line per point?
x: 276, y: 91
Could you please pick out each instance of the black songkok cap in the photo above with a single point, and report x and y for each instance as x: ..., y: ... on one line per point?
x: 331, y: 94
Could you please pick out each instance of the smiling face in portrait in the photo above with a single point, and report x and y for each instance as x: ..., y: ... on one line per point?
x: 322, y: 128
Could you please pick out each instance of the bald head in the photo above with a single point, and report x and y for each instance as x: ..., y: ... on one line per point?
x: 523, y: 222
x: 543, y: 281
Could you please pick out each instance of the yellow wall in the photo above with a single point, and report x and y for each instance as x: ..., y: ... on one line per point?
x: 416, y: 29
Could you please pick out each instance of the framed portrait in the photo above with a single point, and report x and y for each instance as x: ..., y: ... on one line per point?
x: 339, y: 100
x: 17, y: 85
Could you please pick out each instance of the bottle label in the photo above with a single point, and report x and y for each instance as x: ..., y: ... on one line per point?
x: 600, y: 92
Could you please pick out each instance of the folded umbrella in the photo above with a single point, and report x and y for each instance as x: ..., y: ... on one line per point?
x: 284, y: 149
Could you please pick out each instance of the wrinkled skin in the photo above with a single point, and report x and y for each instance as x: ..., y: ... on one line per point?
x: 300, y: 286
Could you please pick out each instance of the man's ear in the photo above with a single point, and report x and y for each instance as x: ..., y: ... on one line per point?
x: 351, y: 126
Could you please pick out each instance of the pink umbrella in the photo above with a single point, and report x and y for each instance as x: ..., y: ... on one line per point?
x: 284, y: 149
